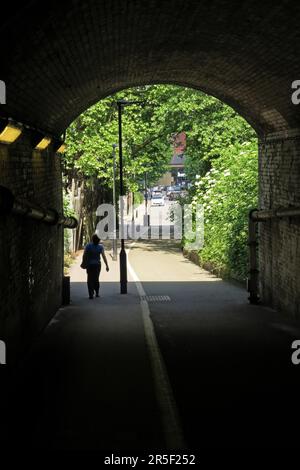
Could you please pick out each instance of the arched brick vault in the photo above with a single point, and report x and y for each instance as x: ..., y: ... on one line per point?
x: 59, y: 59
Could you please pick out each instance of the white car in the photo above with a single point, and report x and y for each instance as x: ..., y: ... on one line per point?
x: 157, y: 200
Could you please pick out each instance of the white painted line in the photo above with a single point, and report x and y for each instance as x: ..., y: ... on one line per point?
x: 164, y: 393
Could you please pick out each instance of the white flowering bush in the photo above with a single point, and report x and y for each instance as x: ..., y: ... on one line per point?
x: 228, y: 191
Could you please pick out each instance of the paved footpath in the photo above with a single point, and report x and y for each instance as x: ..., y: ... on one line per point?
x: 90, y: 373
x: 214, y: 371
x: 229, y: 362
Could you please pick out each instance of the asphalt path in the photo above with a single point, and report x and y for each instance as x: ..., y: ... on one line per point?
x: 229, y: 362
x: 181, y: 361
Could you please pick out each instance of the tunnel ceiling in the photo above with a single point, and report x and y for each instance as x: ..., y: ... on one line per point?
x: 60, y: 59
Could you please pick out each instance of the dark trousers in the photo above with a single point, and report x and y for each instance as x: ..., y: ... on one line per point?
x: 93, y: 273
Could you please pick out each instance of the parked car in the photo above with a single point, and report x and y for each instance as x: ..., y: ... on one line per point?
x: 157, y: 199
x: 169, y: 190
x: 174, y: 193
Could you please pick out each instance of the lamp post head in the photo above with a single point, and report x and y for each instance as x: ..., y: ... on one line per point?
x: 129, y: 103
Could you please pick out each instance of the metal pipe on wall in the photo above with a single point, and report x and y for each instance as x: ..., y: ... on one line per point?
x: 256, y: 216
x: 261, y: 215
x: 10, y: 205
x: 252, y: 281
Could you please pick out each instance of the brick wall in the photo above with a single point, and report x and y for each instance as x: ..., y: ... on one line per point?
x: 279, y: 245
x: 59, y: 63
x: 30, y: 251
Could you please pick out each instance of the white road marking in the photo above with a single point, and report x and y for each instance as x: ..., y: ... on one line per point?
x: 164, y: 393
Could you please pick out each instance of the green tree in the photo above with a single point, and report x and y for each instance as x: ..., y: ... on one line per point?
x: 221, y: 159
x: 228, y: 191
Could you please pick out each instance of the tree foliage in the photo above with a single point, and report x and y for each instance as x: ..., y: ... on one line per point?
x: 221, y: 158
x: 228, y: 191
x: 210, y: 126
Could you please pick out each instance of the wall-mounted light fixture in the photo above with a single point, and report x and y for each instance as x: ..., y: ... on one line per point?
x: 9, y: 131
x: 61, y: 149
x: 43, y: 143
x: 59, y: 146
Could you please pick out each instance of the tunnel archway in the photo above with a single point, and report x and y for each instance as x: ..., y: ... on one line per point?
x: 56, y: 65
x: 210, y: 128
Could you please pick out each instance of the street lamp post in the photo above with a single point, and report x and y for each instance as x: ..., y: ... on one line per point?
x: 123, y: 257
x: 146, y: 217
x: 114, y: 204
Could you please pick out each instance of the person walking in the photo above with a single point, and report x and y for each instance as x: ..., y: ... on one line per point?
x: 92, y: 254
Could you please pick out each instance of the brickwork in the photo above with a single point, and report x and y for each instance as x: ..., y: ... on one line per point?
x: 59, y: 59
x: 58, y: 63
x: 30, y: 252
x: 279, y: 243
